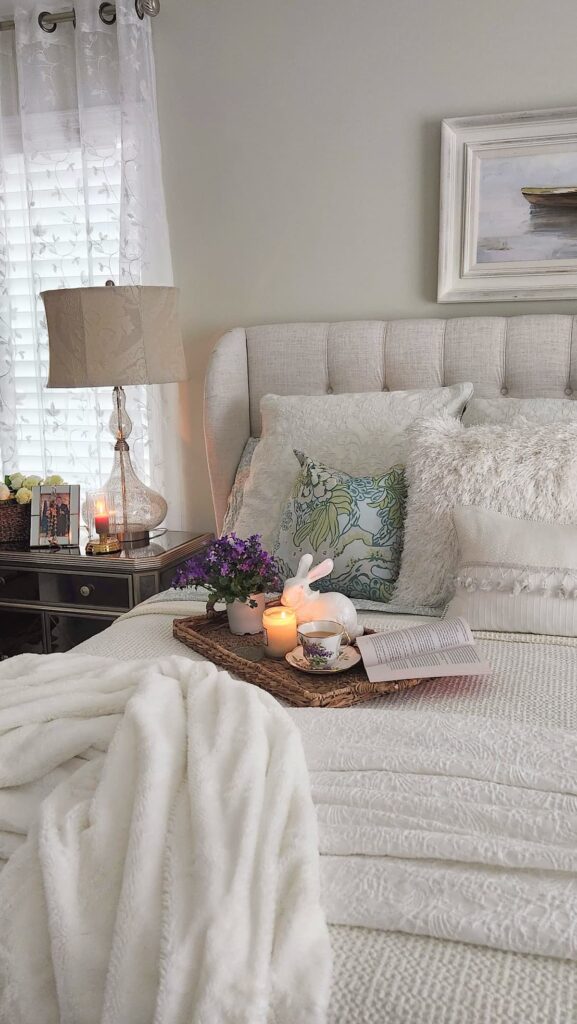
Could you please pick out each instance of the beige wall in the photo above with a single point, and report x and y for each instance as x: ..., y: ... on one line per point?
x: 301, y: 152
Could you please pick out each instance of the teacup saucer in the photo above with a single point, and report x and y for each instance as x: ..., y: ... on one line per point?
x: 346, y: 659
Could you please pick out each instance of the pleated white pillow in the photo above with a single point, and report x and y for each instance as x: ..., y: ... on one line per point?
x: 514, y: 575
x: 503, y: 410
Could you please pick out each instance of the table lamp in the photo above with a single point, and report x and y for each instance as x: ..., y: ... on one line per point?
x: 116, y: 336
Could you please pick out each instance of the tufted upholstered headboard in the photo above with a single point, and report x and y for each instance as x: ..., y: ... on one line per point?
x: 521, y: 357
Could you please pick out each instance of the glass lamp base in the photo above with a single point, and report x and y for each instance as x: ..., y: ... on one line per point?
x: 137, y: 508
x: 133, y: 537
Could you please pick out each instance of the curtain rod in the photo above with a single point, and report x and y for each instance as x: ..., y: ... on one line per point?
x: 106, y: 12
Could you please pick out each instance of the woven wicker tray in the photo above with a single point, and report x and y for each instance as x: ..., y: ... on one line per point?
x: 244, y: 657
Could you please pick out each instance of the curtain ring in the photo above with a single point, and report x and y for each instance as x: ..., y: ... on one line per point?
x: 48, y: 22
x: 107, y: 13
x: 150, y: 7
x: 44, y: 19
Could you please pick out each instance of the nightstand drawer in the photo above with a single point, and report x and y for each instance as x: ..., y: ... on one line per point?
x: 18, y: 585
x: 84, y: 591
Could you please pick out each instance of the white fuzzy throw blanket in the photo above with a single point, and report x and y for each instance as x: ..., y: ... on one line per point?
x: 447, y: 825
x: 170, y: 871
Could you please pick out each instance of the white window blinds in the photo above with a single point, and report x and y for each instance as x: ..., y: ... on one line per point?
x: 61, y: 431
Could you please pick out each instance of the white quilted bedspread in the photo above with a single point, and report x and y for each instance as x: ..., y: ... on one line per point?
x: 451, y: 826
x: 387, y: 977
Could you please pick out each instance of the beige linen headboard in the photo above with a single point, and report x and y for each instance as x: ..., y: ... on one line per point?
x: 521, y: 357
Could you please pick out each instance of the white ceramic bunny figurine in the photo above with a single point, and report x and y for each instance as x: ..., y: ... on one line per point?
x: 310, y: 605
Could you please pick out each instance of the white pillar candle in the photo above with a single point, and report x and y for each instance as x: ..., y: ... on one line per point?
x: 280, y: 631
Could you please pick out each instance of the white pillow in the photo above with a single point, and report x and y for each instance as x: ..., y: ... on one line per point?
x: 234, y: 503
x: 503, y: 410
x: 522, y: 469
x: 515, y: 575
x: 358, y: 434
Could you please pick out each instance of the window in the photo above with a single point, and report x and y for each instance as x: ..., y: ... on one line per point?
x: 62, y: 229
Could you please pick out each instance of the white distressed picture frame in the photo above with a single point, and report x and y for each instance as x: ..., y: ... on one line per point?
x: 46, y: 492
x: 463, y: 140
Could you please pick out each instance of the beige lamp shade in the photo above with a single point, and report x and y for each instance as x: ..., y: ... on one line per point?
x: 114, y: 336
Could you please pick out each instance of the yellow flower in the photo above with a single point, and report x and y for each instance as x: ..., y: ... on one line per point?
x: 23, y: 495
x: 16, y: 480
x: 53, y: 480
x: 5, y: 492
x: 31, y: 481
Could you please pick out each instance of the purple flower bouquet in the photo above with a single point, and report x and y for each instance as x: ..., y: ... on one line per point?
x: 231, y: 570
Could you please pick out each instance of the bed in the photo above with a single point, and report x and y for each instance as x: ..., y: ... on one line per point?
x: 380, y: 975
x: 390, y: 976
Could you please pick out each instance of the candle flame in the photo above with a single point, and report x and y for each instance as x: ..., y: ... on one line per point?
x: 279, y: 614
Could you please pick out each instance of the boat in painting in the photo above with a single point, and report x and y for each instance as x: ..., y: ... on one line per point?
x: 551, y: 198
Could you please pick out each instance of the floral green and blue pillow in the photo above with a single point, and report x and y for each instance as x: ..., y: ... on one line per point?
x: 356, y: 521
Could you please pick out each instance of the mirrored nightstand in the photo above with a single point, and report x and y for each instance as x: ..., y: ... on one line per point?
x: 52, y: 600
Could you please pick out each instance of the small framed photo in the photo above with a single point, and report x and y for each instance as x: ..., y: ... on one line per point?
x: 55, y: 516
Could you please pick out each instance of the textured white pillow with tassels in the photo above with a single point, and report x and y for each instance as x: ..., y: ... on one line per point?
x: 515, y: 575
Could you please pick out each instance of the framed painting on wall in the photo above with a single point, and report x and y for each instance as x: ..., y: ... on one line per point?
x: 508, y: 219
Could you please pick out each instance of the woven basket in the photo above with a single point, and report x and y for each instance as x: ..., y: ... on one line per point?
x: 14, y: 522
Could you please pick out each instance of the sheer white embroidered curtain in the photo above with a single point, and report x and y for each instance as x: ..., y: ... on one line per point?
x: 81, y: 201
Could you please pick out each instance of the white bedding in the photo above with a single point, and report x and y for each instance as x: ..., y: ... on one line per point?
x: 394, y: 978
x: 451, y: 826
x: 172, y: 874
x: 533, y: 679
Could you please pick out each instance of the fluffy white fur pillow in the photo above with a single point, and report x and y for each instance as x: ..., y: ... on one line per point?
x: 522, y: 469
x: 360, y: 435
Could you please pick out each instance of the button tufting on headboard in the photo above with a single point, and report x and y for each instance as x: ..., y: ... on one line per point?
x: 522, y: 356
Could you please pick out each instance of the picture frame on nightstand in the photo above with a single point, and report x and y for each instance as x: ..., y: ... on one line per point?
x: 55, y: 516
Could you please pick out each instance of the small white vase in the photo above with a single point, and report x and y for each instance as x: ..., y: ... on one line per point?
x: 242, y: 618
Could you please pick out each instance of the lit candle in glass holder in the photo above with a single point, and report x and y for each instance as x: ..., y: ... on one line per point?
x: 101, y: 521
x: 280, y: 630
x: 101, y: 518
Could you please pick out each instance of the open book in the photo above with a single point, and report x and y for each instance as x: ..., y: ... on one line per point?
x: 444, y: 648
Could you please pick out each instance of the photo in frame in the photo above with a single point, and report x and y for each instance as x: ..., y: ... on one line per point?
x: 508, y: 216
x: 55, y: 516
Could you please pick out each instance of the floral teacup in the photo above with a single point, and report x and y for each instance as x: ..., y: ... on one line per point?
x: 321, y: 642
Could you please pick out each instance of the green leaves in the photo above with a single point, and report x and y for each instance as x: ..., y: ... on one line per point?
x: 390, y: 503
x: 358, y: 521
x: 322, y: 524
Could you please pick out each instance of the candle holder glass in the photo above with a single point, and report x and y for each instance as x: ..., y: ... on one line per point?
x: 101, y: 524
